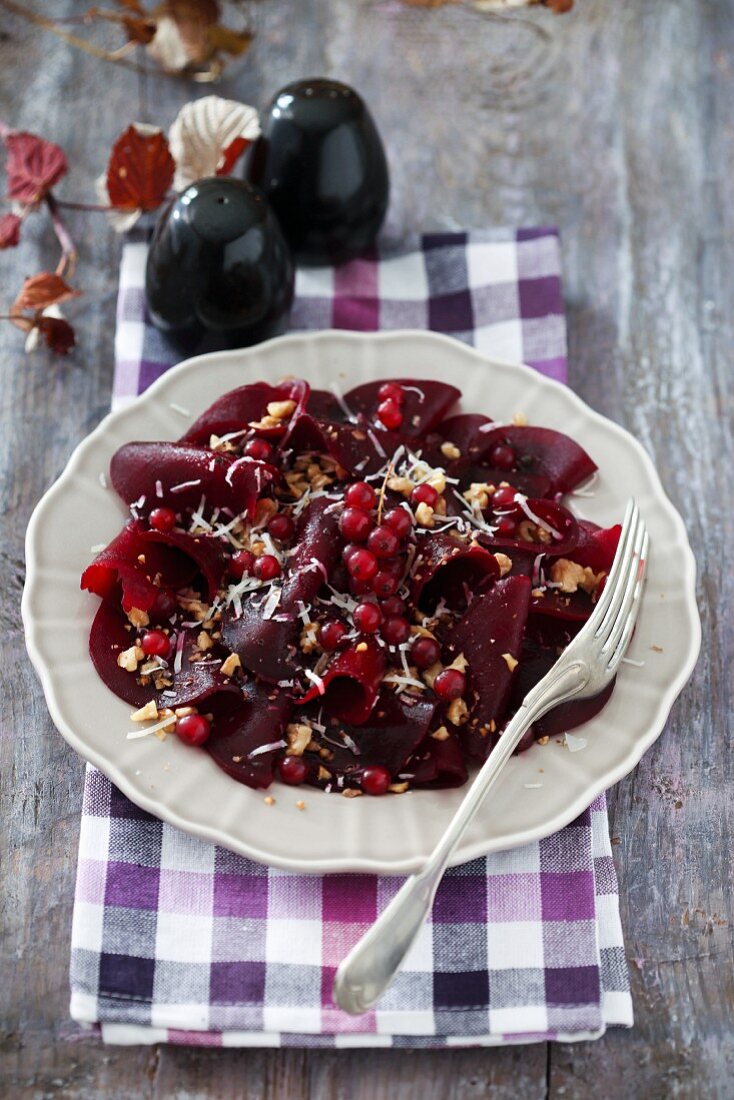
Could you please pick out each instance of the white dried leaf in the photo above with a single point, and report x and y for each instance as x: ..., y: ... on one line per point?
x: 202, y: 132
x: 167, y: 46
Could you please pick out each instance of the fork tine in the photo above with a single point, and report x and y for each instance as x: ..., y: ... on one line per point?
x: 634, y: 609
x: 606, y: 607
x: 627, y: 586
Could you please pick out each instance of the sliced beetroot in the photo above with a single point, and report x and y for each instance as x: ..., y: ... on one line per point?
x: 543, y: 644
x: 490, y: 637
x: 204, y: 552
x: 542, y: 451
x: 237, y: 410
x: 562, y: 524
x: 178, y: 475
x: 596, y: 546
x: 318, y: 548
x: 450, y: 570
x: 463, y: 431
x: 530, y: 485
x: 359, y: 448
x: 425, y: 404
x: 127, y: 566
x: 259, y: 722
x: 437, y: 764
x: 396, y: 727
x: 350, y: 684
x: 266, y: 647
x: 196, y: 682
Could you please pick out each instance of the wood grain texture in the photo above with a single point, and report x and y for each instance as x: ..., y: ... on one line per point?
x: 613, y: 123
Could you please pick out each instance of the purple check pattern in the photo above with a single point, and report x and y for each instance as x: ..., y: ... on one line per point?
x: 176, y: 940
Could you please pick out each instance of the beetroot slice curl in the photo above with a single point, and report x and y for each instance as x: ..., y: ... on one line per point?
x: 350, y: 684
x: 237, y: 410
x: 491, y: 632
x: 448, y: 570
x: 259, y: 721
x: 152, y: 473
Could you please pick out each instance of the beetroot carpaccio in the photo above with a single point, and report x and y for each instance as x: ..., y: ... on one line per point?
x: 351, y: 592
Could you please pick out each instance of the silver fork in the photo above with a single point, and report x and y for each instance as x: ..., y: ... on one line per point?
x: 584, y: 668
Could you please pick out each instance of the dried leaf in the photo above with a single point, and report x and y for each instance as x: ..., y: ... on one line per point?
x: 182, y: 34
x: 167, y: 46
x: 139, y: 29
x: 9, y: 230
x: 132, y: 5
x: 33, y: 167
x: 208, y: 136
x: 140, y: 169
x: 225, y: 40
x: 58, y: 334
x: 41, y: 291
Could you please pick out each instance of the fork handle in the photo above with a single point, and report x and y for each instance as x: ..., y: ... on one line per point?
x: 372, y: 963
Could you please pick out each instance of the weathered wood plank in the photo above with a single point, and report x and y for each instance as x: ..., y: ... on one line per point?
x: 613, y: 123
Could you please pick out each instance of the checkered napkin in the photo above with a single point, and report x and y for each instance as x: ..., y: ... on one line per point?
x: 177, y: 940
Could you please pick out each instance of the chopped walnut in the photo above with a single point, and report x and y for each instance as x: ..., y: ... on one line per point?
x: 296, y: 483
x: 184, y: 712
x: 204, y: 641
x: 265, y: 509
x: 137, y: 617
x: 269, y: 800
x: 300, y: 805
x: 544, y: 740
x: 510, y: 661
x: 299, y: 738
x: 538, y: 593
x: 458, y: 712
x: 351, y: 792
x: 571, y: 576
x: 450, y: 450
x: 398, y: 788
x: 224, y: 446
x: 424, y: 514
x: 309, y: 640
x: 193, y: 605
x: 441, y: 734
x: 520, y: 420
x: 437, y: 480
x: 148, y: 713
x: 504, y: 563
x: 478, y: 494
x: 129, y: 658
x: 402, y: 485
x: 533, y: 532
x: 281, y: 410
x: 324, y: 773
x: 361, y: 647
x: 265, y: 423
x: 228, y: 667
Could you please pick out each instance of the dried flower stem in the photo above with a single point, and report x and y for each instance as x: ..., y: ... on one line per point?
x: 69, y: 254
x: 115, y: 56
x: 65, y: 204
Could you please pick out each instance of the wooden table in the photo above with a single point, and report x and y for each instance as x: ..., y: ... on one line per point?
x: 615, y: 123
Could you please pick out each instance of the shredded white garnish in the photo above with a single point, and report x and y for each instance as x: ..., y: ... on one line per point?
x: 97, y: 548
x: 523, y: 502
x: 273, y: 746
x: 376, y: 443
x: 532, y: 786
x: 271, y: 602
x: 575, y: 744
x: 631, y: 661
x: 180, y: 642
x: 103, y: 481
x: 320, y: 685
x: 186, y: 485
x: 342, y: 403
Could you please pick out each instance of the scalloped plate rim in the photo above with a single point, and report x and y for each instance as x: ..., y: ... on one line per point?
x: 354, y: 862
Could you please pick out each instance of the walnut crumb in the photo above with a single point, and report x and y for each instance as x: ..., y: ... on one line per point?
x: 538, y: 593
x: 351, y: 792
x: 138, y: 617
x: 402, y: 485
x: 441, y: 734
x: 299, y: 738
x: 450, y: 450
x: 458, y: 712
x: 361, y: 647
x: 571, y: 576
x: 398, y: 788
x: 232, y: 662
x: 184, y: 712
x: 460, y: 663
x: 300, y: 805
x: 129, y: 658
x: 544, y: 740
x: 478, y: 494
x: 269, y: 800
x: 281, y: 410
x: 430, y: 674
x: 204, y: 641
x: 504, y: 563
x: 510, y: 661
x: 520, y: 420
x: 309, y: 639
x: 324, y: 773
x: 424, y: 515
x: 148, y: 713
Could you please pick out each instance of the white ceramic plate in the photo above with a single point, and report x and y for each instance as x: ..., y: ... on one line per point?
x: 542, y: 789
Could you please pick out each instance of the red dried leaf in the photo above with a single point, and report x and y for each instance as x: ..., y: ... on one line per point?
x: 41, y: 291
x: 9, y: 230
x: 58, y: 334
x: 34, y: 166
x: 140, y: 170
x: 231, y: 155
